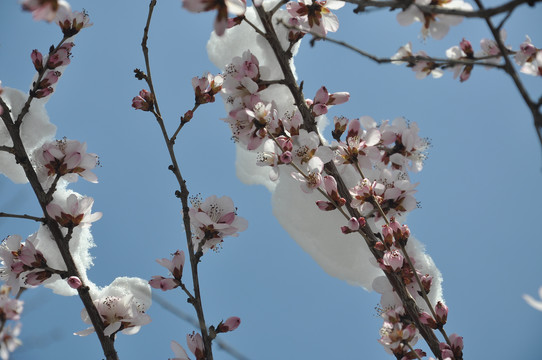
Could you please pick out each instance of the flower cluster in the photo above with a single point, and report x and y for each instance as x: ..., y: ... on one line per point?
x: 47, y: 69
x: 206, y: 87
x: 67, y: 159
x: 175, y: 267
x: 397, y: 336
x: 118, y: 313
x: 76, y: 212
x: 22, y: 264
x: 315, y: 17
x: 212, y: 220
x: 529, y: 58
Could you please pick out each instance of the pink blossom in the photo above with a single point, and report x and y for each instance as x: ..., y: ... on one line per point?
x: 330, y: 185
x: 162, y: 283
x: 313, y: 178
x: 118, y: 314
x: 404, y: 52
x: 393, y: 259
x: 37, y: 277
x: 44, y: 92
x: 323, y: 100
x: 428, y: 320
x: 73, y: 22
x: 9, y: 340
x: 195, y: 344
x: 10, y: 308
x: 206, y: 87
x: 66, y: 158
x: 425, y: 67
x: 144, y: 101
x: 214, y: 219
x: 50, y: 78
x: 434, y: 25
x: 230, y: 324
x: 457, y: 53
x: 76, y: 212
x: 236, y: 7
x: 178, y: 350
x: 325, y: 205
x: 60, y: 57
x: 315, y: 16
x: 46, y: 10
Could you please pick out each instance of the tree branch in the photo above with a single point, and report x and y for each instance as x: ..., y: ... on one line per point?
x: 24, y: 216
x: 182, y: 194
x: 432, y: 9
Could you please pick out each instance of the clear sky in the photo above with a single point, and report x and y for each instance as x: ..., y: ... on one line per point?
x: 480, y: 188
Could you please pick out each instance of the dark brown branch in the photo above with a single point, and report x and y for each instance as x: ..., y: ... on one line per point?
x: 183, y: 193
x: 24, y: 216
x: 440, y: 62
x: 482, y: 13
x: 309, y: 123
x: 21, y: 157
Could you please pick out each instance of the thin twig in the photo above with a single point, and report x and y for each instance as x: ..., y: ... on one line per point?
x: 182, y: 194
x: 24, y: 216
x: 432, y: 9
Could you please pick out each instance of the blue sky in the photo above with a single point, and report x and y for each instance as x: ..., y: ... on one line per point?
x: 479, y: 191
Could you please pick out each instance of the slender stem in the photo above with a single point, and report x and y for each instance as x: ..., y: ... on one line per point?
x: 183, y: 194
x: 432, y: 9
x: 24, y: 216
x: 181, y: 125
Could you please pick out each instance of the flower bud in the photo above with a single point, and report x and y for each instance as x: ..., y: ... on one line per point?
x: 230, y: 324
x: 74, y: 282
x: 441, y: 312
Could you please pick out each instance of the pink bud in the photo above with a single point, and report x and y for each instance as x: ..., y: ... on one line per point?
x: 195, y: 344
x: 325, y: 205
x: 466, y: 47
x: 229, y: 325
x: 387, y: 232
x: 441, y: 312
x: 426, y: 319
x: 528, y: 49
x: 393, y: 259
x: 426, y: 280
x: 338, y: 98
x: 37, y: 60
x: 41, y: 93
x: 285, y: 143
x: 50, y: 78
x: 188, y: 116
x: 286, y: 157
x: 353, y: 224
x: 74, y: 282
